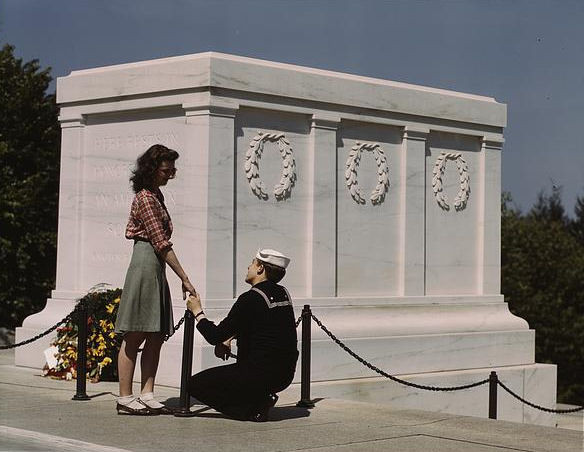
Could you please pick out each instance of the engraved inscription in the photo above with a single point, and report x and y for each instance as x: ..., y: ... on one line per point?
x: 109, y: 258
x: 108, y: 172
x: 109, y: 202
x: 136, y: 141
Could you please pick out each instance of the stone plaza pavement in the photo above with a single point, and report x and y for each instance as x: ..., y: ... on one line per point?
x: 38, y: 414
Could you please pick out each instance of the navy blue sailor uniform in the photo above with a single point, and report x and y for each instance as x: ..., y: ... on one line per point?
x: 262, y: 320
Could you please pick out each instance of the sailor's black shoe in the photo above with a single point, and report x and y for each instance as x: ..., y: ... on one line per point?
x: 262, y: 414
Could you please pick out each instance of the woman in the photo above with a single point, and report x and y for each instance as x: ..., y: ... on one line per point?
x: 145, y: 312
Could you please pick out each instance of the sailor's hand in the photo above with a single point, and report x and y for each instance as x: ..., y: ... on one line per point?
x: 194, y: 304
x: 223, y: 351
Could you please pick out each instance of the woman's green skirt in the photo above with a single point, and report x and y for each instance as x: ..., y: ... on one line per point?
x: 146, y: 304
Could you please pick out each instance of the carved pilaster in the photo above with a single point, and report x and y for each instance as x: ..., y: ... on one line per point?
x: 413, y: 211
x: 321, y: 178
x: 69, y: 234
x: 209, y: 166
x: 489, y: 277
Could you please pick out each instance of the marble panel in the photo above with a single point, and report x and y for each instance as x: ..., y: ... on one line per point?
x: 31, y: 355
x: 537, y: 381
x: 452, y: 236
x: 273, y: 223
x: 403, y: 320
x: 368, y: 234
x: 468, y: 402
x: 112, y: 144
x: 423, y: 353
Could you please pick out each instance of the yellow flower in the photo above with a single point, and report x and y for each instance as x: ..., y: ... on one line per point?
x: 112, y: 335
x: 105, y: 361
x: 110, y: 308
x: 117, y: 300
x: 103, y: 323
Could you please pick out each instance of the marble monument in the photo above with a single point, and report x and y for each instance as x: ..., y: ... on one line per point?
x: 385, y: 195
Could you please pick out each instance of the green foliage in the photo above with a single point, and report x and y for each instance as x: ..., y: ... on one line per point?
x: 29, y: 186
x: 542, y: 270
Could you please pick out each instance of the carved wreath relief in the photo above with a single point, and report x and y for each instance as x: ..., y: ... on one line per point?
x: 438, y: 172
x: 378, y: 193
x: 283, y: 189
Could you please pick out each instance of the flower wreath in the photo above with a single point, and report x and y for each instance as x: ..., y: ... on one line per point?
x: 283, y: 189
x: 102, y: 342
x: 438, y: 172
x: 378, y: 193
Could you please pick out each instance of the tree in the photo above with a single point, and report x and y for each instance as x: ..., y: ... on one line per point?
x: 542, y: 265
x: 577, y: 224
x: 549, y: 208
x: 29, y: 186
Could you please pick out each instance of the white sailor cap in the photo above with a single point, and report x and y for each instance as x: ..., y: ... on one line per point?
x: 273, y: 257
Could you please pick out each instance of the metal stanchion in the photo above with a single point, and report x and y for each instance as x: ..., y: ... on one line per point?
x: 493, y: 395
x: 81, y: 354
x: 305, y: 400
x: 187, y: 366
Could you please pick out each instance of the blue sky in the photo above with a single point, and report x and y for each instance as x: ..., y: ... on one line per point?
x: 528, y: 54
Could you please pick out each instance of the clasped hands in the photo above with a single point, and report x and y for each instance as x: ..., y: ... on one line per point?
x: 187, y: 287
x: 223, y: 349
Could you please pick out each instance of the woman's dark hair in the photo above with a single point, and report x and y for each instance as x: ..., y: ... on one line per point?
x: 147, y: 164
x: 273, y: 272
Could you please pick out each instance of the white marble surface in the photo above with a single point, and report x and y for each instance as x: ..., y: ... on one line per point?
x: 110, y: 151
x: 421, y: 353
x: 368, y: 240
x: 271, y: 223
x: 259, y: 76
x: 410, y: 286
x: 468, y: 402
x: 321, y: 272
x: 452, y: 237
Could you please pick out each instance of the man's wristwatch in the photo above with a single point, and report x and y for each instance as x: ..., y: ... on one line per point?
x: 199, y: 314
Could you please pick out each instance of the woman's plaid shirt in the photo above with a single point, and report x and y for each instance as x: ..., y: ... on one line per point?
x: 149, y: 220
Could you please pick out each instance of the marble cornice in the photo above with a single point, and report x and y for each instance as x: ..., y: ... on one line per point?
x: 215, y: 70
x: 327, y: 122
x: 206, y: 104
x: 492, y: 143
x: 68, y: 122
x: 415, y: 134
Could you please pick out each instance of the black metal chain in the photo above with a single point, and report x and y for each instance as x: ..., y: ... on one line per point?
x: 113, y: 342
x: 299, y: 320
x: 176, y: 328
x: 44, y: 333
x: 391, y: 377
x: 533, y: 405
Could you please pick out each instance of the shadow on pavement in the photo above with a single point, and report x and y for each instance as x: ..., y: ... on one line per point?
x: 278, y: 413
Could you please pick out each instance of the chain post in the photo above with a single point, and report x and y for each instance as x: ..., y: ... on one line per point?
x: 493, y: 379
x: 305, y: 400
x: 81, y: 393
x: 187, y: 366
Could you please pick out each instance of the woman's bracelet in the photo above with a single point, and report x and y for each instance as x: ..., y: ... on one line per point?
x: 199, y: 314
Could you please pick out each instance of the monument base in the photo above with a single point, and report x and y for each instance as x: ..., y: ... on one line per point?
x: 436, y: 341
x: 536, y: 383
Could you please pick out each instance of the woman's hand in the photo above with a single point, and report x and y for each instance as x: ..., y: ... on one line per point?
x: 194, y: 304
x: 170, y: 258
x: 188, y: 287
